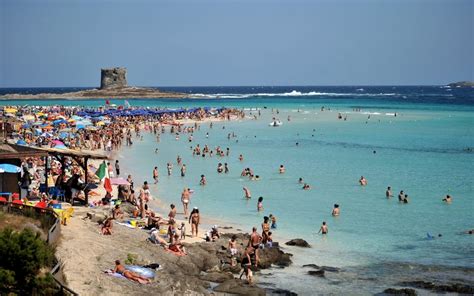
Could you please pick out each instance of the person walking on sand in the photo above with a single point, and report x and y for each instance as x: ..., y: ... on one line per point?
x: 185, y: 197
x: 194, y: 220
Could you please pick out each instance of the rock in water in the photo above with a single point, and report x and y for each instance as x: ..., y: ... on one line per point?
x: 319, y: 273
x: 405, y: 292
x: 298, y: 242
x: 239, y: 287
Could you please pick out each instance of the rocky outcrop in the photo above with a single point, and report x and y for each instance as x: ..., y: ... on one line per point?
x: 239, y: 287
x: 441, y: 287
x: 325, y: 268
x: 403, y: 292
x: 462, y: 84
x: 298, y: 242
x: 319, y: 273
x: 113, y: 78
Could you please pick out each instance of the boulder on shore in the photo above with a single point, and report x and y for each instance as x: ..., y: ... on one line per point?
x: 239, y: 287
x: 298, y: 242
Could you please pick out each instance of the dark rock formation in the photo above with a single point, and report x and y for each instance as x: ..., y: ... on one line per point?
x: 312, y: 266
x: 282, y: 292
x: 404, y: 292
x: 319, y: 273
x: 113, y: 78
x: 439, y: 288
x: 217, y: 277
x: 298, y: 242
x: 239, y: 287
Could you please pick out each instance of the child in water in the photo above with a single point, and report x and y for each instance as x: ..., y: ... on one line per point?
x: 273, y: 220
x: 260, y: 204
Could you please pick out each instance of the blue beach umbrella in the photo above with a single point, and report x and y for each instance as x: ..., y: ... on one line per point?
x: 9, y: 168
x: 21, y: 142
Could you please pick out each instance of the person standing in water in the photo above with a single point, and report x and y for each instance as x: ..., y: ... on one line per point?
x: 155, y: 174
x: 324, y: 229
x: 183, y: 170
x: 335, y: 210
x: 363, y: 181
x: 282, y: 169
x: 260, y: 204
x: 169, y: 167
x: 388, y: 193
x: 203, y: 181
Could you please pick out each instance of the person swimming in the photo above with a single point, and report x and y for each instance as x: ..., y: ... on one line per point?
x: 448, y: 199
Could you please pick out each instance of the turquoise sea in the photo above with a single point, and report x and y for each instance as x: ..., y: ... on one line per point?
x: 426, y: 150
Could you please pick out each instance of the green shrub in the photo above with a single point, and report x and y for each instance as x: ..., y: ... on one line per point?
x: 22, y: 256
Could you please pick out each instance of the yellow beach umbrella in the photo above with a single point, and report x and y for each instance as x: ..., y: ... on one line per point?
x: 10, y: 110
x: 100, y: 123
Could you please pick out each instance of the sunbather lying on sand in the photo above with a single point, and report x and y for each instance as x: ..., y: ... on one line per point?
x: 119, y: 268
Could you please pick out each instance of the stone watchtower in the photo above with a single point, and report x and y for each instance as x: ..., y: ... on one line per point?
x: 113, y: 78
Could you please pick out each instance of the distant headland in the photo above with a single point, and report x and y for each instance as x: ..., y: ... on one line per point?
x: 462, y: 84
x: 113, y: 84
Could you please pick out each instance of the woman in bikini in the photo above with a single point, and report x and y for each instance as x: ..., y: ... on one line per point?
x: 194, y: 220
x: 120, y: 269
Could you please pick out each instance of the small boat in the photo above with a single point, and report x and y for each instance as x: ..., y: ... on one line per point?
x: 275, y: 123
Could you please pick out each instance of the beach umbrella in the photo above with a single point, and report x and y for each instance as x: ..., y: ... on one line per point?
x: 63, y: 135
x: 10, y: 110
x: 28, y: 117
x: 26, y: 125
x: 60, y: 147
x: 21, y: 142
x: 65, y: 130
x: 100, y: 123
x: 118, y: 181
x: 9, y: 168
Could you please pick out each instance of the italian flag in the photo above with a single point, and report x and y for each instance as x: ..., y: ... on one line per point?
x: 103, y: 174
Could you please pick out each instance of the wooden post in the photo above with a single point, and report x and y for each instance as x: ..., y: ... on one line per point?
x: 46, y: 171
x: 86, y: 180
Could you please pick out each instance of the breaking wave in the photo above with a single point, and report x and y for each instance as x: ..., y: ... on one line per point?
x: 293, y: 93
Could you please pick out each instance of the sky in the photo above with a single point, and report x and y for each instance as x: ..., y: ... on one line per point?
x: 58, y: 43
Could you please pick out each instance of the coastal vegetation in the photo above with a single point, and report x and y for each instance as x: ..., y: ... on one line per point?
x: 25, y: 261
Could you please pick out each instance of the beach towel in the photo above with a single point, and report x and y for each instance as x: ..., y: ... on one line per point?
x: 143, y: 271
x: 125, y: 224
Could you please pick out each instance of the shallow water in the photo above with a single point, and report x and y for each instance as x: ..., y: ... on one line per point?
x: 422, y: 153
x: 378, y: 242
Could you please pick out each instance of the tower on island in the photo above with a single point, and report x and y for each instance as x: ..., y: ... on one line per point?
x: 113, y: 78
